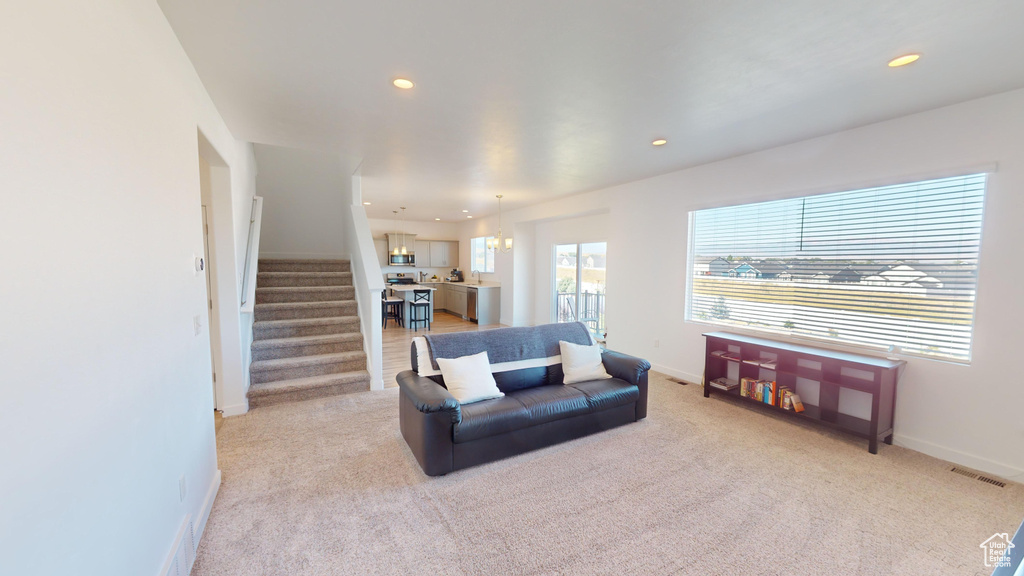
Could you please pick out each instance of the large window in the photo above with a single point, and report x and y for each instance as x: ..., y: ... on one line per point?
x: 480, y: 258
x: 580, y: 283
x: 885, y: 267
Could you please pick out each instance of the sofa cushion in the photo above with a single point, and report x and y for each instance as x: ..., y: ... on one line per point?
x: 607, y: 393
x: 469, y: 378
x: 547, y: 403
x: 581, y: 363
x: 490, y: 417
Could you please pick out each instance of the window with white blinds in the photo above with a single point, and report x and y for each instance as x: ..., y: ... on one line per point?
x: 895, y: 266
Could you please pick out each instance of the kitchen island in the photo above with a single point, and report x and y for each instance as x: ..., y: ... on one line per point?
x: 405, y: 292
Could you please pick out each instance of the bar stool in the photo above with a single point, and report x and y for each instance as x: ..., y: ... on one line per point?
x: 391, y: 307
x: 420, y: 303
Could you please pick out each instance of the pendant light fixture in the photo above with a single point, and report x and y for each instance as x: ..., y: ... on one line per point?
x: 499, y: 242
x: 395, y: 251
x: 404, y: 250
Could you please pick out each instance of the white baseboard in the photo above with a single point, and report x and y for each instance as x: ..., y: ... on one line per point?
x: 204, y: 512
x: 957, y: 457
x: 302, y: 256
x: 236, y: 409
x: 691, y: 378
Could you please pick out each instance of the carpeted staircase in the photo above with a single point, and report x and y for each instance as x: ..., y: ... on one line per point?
x: 306, y: 337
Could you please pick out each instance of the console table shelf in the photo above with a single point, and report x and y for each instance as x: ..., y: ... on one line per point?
x: 795, y: 366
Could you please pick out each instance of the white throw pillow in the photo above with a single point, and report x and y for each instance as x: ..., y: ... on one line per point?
x: 581, y: 363
x: 469, y: 378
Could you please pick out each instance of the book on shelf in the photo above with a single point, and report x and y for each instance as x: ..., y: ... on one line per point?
x: 769, y: 364
x: 798, y: 406
x: 724, y: 384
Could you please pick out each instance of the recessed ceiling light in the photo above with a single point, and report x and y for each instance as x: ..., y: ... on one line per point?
x: 403, y: 83
x: 468, y: 216
x: 903, y: 60
x: 660, y: 142
x: 437, y: 219
x: 366, y: 203
x: 464, y: 211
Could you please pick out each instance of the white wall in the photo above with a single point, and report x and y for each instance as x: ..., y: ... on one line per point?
x: 106, y: 391
x: 304, y: 202
x: 968, y: 414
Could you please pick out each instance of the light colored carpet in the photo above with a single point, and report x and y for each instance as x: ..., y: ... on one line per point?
x: 702, y: 486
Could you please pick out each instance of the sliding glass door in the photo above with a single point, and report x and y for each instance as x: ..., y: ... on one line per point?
x: 579, y: 285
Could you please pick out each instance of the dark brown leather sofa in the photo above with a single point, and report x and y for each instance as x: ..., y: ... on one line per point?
x: 537, y: 410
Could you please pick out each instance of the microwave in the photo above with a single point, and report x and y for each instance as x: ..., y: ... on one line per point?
x: 401, y: 259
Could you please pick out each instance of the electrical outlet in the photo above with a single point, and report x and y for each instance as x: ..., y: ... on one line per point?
x: 657, y: 343
x: 182, y: 491
x: 197, y: 324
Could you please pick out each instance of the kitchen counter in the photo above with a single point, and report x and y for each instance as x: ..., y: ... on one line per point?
x: 466, y: 284
x: 409, y: 287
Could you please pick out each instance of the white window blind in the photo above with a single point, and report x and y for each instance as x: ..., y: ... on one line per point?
x: 879, y: 267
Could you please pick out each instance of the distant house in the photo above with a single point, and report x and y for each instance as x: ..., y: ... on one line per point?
x: 745, y: 270
x: 846, y: 276
x: 719, y: 267
x: 902, y: 275
x: 773, y: 270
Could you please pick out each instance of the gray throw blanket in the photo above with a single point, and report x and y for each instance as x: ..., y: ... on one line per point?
x: 508, y: 344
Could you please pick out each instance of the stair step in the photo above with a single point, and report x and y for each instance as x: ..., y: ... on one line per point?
x: 297, y: 389
x: 291, y: 265
x: 306, y: 346
x: 279, y: 279
x: 268, y: 329
x: 314, y: 309
x: 304, y: 294
x: 263, y: 371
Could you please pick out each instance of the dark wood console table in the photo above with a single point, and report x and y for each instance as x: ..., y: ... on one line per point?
x: 758, y: 358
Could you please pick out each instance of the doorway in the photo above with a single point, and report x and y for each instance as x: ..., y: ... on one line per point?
x: 580, y: 283
x: 211, y: 319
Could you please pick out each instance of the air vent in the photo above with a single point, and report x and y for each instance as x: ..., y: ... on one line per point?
x: 992, y: 481
x: 678, y: 381
x: 963, y: 472
x: 985, y: 479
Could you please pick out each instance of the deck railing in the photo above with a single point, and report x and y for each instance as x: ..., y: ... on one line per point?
x: 589, y: 310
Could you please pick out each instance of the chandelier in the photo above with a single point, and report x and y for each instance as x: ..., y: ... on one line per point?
x: 499, y: 242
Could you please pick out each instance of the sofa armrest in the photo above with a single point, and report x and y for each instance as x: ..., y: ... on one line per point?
x: 429, y: 396
x: 624, y: 367
x: 427, y: 414
x: 631, y: 369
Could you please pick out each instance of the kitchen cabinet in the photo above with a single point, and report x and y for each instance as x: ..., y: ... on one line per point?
x: 399, y: 240
x: 457, y: 300
x: 380, y: 246
x: 444, y: 254
x: 441, y: 297
x: 422, y: 248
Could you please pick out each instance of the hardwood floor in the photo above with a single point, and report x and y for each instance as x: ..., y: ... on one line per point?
x: 397, y: 340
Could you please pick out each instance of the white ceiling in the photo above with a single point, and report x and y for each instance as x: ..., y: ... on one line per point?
x: 534, y: 99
